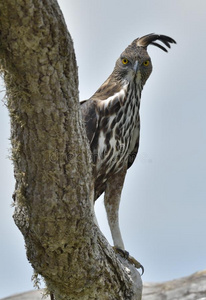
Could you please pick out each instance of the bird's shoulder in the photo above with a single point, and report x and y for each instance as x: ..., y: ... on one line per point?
x: 104, y: 102
x: 108, y: 89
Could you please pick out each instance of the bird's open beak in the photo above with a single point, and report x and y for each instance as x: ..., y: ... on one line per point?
x: 136, y: 65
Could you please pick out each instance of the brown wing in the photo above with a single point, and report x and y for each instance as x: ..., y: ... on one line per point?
x: 133, y: 154
x: 89, y: 116
x: 91, y: 120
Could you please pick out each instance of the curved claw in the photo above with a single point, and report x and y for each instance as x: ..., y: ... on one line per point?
x: 137, y: 264
x: 130, y: 258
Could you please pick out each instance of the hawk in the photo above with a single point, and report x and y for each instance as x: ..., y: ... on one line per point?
x: 112, y: 121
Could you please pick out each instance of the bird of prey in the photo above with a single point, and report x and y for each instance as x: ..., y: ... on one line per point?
x: 112, y: 121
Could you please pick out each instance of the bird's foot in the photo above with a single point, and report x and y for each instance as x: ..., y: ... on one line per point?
x: 130, y: 258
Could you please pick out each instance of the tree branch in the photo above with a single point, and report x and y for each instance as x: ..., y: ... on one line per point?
x: 52, y: 160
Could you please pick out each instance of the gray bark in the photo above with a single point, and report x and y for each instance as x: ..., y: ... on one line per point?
x: 188, y: 288
x: 52, y: 160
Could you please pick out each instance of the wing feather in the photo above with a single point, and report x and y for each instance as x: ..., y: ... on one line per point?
x: 89, y: 116
x: 133, y: 154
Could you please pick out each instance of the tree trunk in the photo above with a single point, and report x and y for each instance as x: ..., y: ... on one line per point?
x: 52, y: 160
x: 188, y: 288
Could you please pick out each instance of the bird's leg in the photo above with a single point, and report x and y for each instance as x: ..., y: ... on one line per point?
x: 111, y: 201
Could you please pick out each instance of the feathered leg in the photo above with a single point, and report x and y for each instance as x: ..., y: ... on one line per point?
x: 111, y: 201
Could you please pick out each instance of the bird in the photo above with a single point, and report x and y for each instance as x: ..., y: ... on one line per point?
x: 112, y: 121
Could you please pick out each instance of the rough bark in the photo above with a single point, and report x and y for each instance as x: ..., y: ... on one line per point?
x: 51, y: 156
x: 188, y: 288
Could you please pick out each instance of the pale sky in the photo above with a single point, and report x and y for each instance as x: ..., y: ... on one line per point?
x: 163, y: 207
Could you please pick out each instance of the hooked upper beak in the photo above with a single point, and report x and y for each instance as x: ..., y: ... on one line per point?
x: 135, y: 68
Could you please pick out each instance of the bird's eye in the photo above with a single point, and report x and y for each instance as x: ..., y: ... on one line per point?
x: 125, y: 61
x: 146, y: 63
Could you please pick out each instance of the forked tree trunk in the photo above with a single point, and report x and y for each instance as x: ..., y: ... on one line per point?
x: 51, y: 157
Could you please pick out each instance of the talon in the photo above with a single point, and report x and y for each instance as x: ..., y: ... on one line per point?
x: 137, y: 264
x: 130, y: 258
x: 142, y: 269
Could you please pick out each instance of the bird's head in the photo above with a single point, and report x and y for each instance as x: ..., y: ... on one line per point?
x: 135, y: 63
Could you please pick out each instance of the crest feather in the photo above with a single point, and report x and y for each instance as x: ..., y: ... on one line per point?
x: 150, y: 39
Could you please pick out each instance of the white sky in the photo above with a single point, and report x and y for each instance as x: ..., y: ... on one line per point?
x: 163, y: 205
